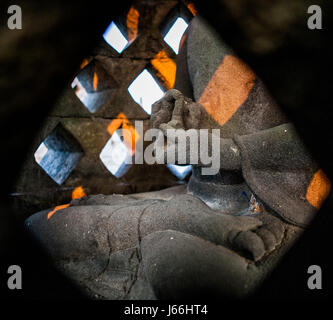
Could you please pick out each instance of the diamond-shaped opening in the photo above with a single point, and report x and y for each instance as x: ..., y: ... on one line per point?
x: 115, y: 155
x: 145, y: 90
x: 181, y: 172
x: 93, y: 86
x: 114, y: 37
x: 58, y: 154
x: 123, y: 31
x: 175, y: 33
x: 175, y: 25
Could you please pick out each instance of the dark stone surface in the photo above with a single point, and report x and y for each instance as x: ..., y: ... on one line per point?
x: 118, y: 247
x: 84, y: 245
x: 228, y: 198
x: 258, y: 112
x: 279, y: 169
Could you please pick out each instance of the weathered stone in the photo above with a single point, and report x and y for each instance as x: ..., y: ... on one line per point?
x: 180, y: 247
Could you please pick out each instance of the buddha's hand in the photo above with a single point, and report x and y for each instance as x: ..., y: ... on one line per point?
x: 255, y: 237
x: 175, y: 111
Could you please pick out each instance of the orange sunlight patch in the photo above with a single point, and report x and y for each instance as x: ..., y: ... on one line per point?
x: 192, y: 8
x: 319, y: 188
x: 182, y: 40
x: 84, y: 63
x: 228, y: 89
x: 95, y: 81
x: 78, y: 193
x: 130, y: 135
x: 132, y: 22
x: 63, y: 206
x: 165, y: 67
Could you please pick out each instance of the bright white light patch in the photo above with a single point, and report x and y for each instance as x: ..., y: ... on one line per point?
x: 174, y: 35
x: 40, y: 152
x: 180, y: 171
x: 145, y: 90
x: 115, y: 156
x: 115, y: 38
x: 80, y: 91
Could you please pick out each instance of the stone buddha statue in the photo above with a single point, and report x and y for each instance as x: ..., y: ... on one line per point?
x: 221, y: 234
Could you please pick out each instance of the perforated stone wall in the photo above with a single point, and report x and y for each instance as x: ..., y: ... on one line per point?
x: 99, y: 99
